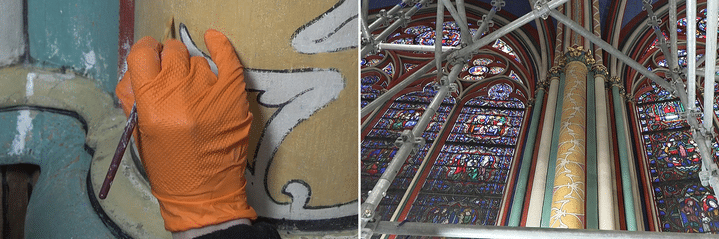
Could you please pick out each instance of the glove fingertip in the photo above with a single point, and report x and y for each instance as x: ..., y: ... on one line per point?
x: 149, y: 42
x: 222, y: 51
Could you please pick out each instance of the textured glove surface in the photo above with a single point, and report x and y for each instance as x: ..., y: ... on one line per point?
x: 192, y: 129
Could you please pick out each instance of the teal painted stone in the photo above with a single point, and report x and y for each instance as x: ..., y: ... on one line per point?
x: 80, y: 34
x: 59, y: 206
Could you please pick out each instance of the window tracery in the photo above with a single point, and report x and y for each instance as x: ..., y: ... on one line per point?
x: 468, y: 169
x: 467, y: 178
x: 378, y: 147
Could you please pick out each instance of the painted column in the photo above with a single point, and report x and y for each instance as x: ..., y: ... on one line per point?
x: 534, y: 211
x: 78, y: 34
x: 618, y: 101
x: 536, y: 200
x: 604, y: 168
x: 568, y: 199
x: 518, y: 202
x: 12, y: 39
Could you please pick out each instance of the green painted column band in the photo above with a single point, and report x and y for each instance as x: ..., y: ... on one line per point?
x: 515, y: 215
x: 79, y: 34
x: 592, y: 215
x: 549, y: 186
x: 624, y: 161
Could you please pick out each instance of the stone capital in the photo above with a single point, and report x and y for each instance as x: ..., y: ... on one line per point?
x: 578, y: 53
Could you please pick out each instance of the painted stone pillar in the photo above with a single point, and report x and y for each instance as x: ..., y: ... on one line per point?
x: 618, y: 93
x: 518, y: 203
x: 604, y: 168
x: 568, y: 199
x: 12, y: 40
x: 536, y: 200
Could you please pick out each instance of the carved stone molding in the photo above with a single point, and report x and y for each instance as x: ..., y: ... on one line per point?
x: 578, y: 53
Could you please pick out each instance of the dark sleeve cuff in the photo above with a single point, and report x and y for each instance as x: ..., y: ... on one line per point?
x: 258, y: 230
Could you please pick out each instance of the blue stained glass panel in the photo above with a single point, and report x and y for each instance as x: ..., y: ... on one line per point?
x: 455, y: 209
x: 415, y: 30
x: 672, y: 156
x: 389, y: 69
x: 656, y: 93
x: 478, y: 70
x: 369, y: 80
x: 378, y: 147
x: 474, y: 161
x: 496, y: 70
x: 504, y: 47
x: 687, y: 206
x: 482, y: 61
x: 472, y: 78
x: 673, y: 161
x: 661, y: 116
x: 408, y: 66
x: 449, y: 37
x: 404, y: 40
x: 487, y: 102
x: 370, y: 62
x: 701, y: 24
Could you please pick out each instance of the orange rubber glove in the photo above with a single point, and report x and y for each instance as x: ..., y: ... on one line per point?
x: 192, y: 129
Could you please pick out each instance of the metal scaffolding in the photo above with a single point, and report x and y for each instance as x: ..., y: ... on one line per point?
x: 480, y: 231
x: 410, y: 140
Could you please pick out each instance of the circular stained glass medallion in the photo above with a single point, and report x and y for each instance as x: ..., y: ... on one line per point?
x: 416, y: 30
x: 482, y: 61
x: 496, y: 70
x: 478, y: 70
x: 449, y: 38
x: 500, y: 91
x: 472, y: 78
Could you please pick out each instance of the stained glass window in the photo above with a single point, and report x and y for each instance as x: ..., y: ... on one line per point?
x: 369, y: 89
x: 681, y: 61
x: 482, y: 61
x: 480, y: 68
x: 409, y: 66
x: 472, y: 78
x: 467, y: 179
x: 656, y: 42
x: 503, y: 46
x: 701, y: 24
x: 378, y: 147
x: 496, y: 70
x: 425, y: 34
x: 514, y: 76
x: 716, y: 99
x: 673, y: 162
x: 450, y: 37
x: 389, y: 69
x: 369, y: 62
x: 416, y: 30
x: 405, y: 40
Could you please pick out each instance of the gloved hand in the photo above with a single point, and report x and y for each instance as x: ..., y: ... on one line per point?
x: 192, y: 131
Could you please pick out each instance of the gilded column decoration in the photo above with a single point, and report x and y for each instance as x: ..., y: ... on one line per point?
x: 568, y: 199
x: 600, y: 70
x: 542, y: 85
